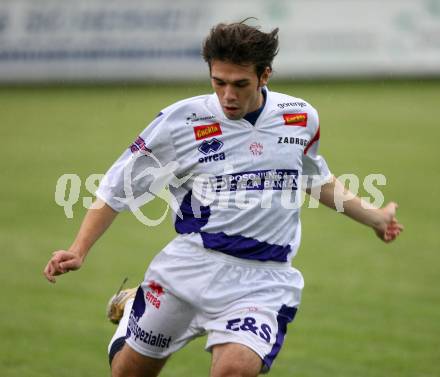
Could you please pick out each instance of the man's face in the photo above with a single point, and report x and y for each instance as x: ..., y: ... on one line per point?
x: 237, y: 87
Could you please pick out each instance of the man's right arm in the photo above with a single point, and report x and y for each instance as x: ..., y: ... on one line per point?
x: 97, y: 220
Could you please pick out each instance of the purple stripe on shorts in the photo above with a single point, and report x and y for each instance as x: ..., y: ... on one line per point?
x: 138, y: 308
x: 285, y: 315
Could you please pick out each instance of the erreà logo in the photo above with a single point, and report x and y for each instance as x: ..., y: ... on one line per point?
x: 154, y: 293
x: 299, y: 119
x: 205, y: 131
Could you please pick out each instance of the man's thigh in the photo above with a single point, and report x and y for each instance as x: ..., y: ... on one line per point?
x: 160, y: 323
x: 234, y: 360
x: 129, y: 363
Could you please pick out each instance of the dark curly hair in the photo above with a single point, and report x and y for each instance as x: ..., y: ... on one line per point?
x: 241, y: 44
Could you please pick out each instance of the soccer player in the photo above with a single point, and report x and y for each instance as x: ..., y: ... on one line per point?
x: 228, y: 272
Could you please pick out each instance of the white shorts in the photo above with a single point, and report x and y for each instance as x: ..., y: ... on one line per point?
x: 189, y: 291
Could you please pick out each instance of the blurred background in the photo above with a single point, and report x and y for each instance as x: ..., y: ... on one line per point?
x: 135, y: 40
x: 79, y: 81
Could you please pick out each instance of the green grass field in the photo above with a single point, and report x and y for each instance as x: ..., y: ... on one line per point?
x: 368, y: 310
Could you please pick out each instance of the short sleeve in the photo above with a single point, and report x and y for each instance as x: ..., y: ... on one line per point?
x: 140, y: 171
x: 314, y: 166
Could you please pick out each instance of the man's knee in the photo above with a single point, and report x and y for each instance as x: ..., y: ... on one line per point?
x: 234, y: 360
x: 129, y: 363
x: 233, y: 369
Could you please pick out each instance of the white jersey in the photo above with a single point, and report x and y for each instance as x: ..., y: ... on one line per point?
x: 253, y: 172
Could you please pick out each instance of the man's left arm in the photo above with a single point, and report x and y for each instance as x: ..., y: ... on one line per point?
x: 382, y: 220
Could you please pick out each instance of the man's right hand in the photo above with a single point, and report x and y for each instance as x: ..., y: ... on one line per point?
x: 62, y: 261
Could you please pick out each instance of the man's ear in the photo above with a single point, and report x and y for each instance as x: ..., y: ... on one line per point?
x: 264, y: 78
